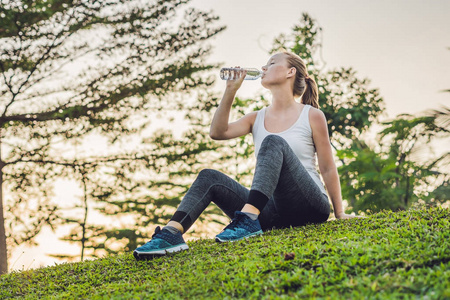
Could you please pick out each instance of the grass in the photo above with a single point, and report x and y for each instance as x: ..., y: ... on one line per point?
x: 404, y: 255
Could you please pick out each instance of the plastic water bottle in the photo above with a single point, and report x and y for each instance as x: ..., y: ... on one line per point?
x: 232, y: 73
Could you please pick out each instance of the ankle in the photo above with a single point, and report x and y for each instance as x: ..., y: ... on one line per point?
x: 248, y: 208
x: 175, y: 225
x: 254, y: 217
x: 171, y: 229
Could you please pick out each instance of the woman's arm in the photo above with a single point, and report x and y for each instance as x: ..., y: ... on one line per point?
x: 327, y: 166
x: 220, y: 128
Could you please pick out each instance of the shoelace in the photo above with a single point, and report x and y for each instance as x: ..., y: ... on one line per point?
x: 235, y: 222
x: 157, y: 230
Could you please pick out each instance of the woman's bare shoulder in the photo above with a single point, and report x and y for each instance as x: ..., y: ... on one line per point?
x: 316, y: 115
x: 251, y: 117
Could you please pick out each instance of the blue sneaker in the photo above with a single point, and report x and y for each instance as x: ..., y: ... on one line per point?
x: 242, y: 226
x: 162, y: 242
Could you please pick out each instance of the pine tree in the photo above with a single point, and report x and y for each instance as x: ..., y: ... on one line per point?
x: 76, y: 68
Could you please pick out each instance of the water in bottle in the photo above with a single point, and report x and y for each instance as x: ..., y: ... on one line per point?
x: 232, y: 73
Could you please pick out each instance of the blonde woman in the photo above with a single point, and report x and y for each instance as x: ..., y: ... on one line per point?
x: 286, y: 189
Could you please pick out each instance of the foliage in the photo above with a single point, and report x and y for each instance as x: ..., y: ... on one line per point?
x: 401, y: 172
x: 385, y: 256
x: 73, y: 68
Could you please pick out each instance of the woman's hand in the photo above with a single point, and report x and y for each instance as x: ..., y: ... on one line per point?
x: 235, y: 83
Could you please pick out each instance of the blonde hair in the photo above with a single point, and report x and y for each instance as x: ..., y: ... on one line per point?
x: 304, y: 85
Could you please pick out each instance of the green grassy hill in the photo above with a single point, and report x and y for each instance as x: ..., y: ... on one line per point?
x: 385, y: 256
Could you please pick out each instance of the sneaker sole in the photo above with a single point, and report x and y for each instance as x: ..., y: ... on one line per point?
x: 244, y: 237
x: 157, y: 253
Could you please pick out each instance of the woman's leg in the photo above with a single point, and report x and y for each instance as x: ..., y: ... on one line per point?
x: 297, y: 199
x: 282, y: 191
x: 210, y: 186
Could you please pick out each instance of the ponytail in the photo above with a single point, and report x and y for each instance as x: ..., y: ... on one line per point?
x: 304, y: 85
x: 311, y: 93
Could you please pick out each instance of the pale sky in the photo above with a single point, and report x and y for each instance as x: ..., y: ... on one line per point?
x: 400, y: 45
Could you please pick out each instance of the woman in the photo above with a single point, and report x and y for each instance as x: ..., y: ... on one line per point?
x: 286, y: 189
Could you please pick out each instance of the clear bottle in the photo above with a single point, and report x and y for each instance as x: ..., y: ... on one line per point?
x: 231, y: 73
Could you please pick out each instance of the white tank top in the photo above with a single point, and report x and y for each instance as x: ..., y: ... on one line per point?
x: 299, y: 138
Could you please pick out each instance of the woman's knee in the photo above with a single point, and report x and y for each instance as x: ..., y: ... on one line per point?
x: 273, y: 139
x: 273, y: 143
x: 209, y: 174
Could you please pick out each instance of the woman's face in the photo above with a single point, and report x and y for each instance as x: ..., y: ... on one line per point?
x: 275, y: 71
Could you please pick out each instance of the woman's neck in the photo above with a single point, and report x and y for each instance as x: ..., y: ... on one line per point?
x: 282, y: 99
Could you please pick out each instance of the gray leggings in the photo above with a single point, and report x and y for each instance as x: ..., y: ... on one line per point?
x: 294, y: 198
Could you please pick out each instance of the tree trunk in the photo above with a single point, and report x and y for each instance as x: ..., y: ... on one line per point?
x: 3, y: 253
x: 407, y: 193
x: 83, y: 225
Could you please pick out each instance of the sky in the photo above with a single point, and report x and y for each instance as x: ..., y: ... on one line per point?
x: 402, y: 46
